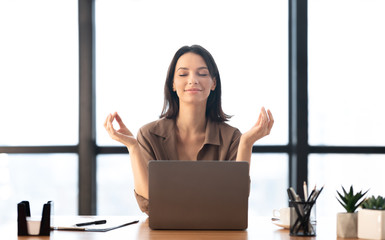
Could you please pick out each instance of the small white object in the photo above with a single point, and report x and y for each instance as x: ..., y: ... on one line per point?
x: 33, y: 226
x: 371, y: 224
x: 283, y: 215
x: 279, y: 224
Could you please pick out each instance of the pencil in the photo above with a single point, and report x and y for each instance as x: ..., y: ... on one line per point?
x: 305, y: 196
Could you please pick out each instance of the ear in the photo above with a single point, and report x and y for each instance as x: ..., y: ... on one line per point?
x: 214, y: 84
x: 173, y: 87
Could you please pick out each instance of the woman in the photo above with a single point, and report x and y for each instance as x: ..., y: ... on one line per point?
x: 192, y: 124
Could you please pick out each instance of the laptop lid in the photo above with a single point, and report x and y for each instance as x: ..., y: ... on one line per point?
x: 198, y: 194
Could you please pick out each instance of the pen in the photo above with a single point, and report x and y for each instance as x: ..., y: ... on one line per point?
x: 290, y: 194
x: 296, y: 197
x: 305, y: 191
x: 91, y: 223
x: 318, y: 193
x: 92, y: 229
x: 311, y: 194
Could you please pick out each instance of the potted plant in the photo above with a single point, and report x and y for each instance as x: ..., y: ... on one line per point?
x: 347, y: 221
x: 371, y: 218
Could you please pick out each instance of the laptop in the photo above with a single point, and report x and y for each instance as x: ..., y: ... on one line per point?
x: 198, y: 195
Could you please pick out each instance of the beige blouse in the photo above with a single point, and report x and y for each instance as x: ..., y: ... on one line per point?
x: 158, y: 142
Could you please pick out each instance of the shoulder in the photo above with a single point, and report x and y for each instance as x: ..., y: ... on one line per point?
x: 224, y: 130
x: 227, y: 128
x: 160, y: 127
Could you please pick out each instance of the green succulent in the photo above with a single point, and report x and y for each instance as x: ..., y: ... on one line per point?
x: 349, y: 200
x: 374, y: 203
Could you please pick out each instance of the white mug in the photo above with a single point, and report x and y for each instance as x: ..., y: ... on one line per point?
x: 283, y: 215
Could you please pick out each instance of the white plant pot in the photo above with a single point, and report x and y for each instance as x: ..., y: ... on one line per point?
x: 347, y: 225
x: 371, y: 224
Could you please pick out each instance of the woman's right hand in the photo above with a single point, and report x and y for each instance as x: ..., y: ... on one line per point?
x: 122, y: 135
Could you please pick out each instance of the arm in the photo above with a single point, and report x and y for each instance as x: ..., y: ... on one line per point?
x: 124, y: 136
x: 259, y: 130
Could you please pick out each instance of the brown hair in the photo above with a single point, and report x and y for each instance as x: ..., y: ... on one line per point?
x: 214, y: 103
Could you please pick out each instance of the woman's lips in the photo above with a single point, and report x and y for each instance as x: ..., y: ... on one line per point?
x: 193, y: 90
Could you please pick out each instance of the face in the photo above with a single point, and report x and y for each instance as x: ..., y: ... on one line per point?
x: 192, y: 79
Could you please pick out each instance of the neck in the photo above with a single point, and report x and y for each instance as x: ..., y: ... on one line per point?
x: 191, y: 119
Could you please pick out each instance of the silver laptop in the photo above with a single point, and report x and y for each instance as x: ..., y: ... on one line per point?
x: 198, y: 194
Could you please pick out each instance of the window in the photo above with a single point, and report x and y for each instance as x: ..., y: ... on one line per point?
x: 267, y: 171
x: 115, y: 186
x: 133, y: 50
x: 38, y: 73
x: 39, y: 105
x: 135, y: 43
x: 269, y: 175
x: 346, y: 74
x: 38, y: 178
x: 346, y: 78
x: 336, y: 170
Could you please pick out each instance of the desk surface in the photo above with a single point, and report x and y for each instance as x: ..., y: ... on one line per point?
x: 259, y: 228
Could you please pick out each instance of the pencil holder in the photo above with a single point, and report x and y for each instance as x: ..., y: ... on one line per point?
x: 303, y: 220
x: 25, y: 227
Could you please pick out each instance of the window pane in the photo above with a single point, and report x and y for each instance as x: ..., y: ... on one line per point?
x: 38, y: 72
x: 115, y: 194
x: 267, y: 172
x: 38, y: 178
x: 346, y: 72
x: 135, y: 43
x: 269, y: 181
x: 335, y: 170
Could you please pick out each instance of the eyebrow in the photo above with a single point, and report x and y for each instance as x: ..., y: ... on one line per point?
x: 184, y: 68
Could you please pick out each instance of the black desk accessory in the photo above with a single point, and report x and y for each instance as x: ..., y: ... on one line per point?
x: 23, y: 211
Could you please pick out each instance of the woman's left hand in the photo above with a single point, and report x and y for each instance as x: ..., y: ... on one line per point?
x: 260, y: 129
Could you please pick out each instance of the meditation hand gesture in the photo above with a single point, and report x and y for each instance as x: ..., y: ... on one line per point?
x: 122, y: 135
x: 260, y: 129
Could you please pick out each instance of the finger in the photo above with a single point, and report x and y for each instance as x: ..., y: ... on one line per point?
x: 259, y: 119
x: 119, y: 120
x: 110, y: 126
x: 266, y: 124
x: 109, y: 123
x: 111, y: 131
x: 107, y: 120
x: 264, y: 116
x: 268, y: 114
x: 117, y: 117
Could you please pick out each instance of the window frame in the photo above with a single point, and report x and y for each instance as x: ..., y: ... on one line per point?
x: 298, y: 148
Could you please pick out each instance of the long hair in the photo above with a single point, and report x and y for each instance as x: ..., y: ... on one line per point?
x: 214, y: 103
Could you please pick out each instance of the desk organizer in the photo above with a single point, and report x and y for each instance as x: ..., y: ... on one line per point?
x: 23, y: 211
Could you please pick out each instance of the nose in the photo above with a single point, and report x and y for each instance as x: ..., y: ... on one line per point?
x: 193, y: 79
